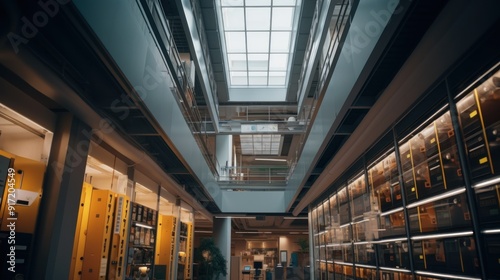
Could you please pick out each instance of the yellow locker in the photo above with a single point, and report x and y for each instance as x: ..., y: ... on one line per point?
x: 165, y: 240
x: 100, y: 227
x: 119, y: 238
x: 81, y: 232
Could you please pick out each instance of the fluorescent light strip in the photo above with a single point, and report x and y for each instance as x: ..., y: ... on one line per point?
x: 474, y: 84
x: 366, y: 266
x: 435, y: 167
x: 235, y: 217
x: 476, y: 148
x: 295, y: 218
x: 491, y: 231
x: 445, y: 235
x: 445, y: 275
x: 362, y: 242
x: 391, y: 240
x: 344, y: 263
x: 438, y: 197
x: 252, y: 232
x: 271, y: 159
x: 343, y: 226
x: 425, y: 123
x: 487, y: 183
x: 380, y: 158
x: 359, y: 222
x: 395, y: 269
x: 391, y: 211
x: 143, y: 225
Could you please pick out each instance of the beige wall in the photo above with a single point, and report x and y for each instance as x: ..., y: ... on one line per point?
x: 289, y: 244
x: 238, y: 246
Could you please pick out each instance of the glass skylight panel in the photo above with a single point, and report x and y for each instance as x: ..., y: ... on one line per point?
x: 237, y: 62
x: 258, y: 18
x: 282, y: 18
x: 280, y: 41
x: 257, y: 35
x: 232, y: 2
x: 284, y: 2
x: 239, y: 78
x: 234, y: 19
x: 260, y: 144
x: 258, y: 62
x: 257, y: 78
x: 235, y: 42
x: 278, y: 62
x: 258, y: 42
x: 258, y: 2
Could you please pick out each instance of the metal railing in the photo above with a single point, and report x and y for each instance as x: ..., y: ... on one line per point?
x: 183, y: 87
x: 263, y: 175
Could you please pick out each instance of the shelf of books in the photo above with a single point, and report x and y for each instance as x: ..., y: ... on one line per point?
x: 407, y: 215
x: 141, y: 246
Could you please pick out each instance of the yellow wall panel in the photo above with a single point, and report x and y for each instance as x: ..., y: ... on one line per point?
x: 26, y: 197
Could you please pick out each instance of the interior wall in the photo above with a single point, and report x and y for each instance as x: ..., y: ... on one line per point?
x: 237, y: 247
x: 31, y: 147
x: 250, y: 244
x: 289, y: 244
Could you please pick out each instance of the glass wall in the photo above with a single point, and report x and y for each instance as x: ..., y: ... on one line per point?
x: 427, y: 206
x: 139, y: 230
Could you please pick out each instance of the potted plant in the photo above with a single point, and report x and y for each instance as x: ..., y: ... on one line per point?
x: 303, y: 244
x: 212, y: 263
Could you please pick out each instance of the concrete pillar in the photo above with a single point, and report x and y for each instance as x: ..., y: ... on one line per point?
x: 222, y: 238
x: 55, y: 233
x: 224, y: 153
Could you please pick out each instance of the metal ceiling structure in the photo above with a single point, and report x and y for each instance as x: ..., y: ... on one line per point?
x: 86, y: 66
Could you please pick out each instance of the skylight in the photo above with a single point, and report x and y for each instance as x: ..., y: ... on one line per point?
x: 257, y: 36
x: 261, y: 144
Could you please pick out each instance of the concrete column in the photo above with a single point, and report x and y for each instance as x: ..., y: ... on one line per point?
x: 55, y: 233
x: 224, y: 153
x: 222, y: 238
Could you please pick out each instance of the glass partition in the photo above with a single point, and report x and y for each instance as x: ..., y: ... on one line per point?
x: 379, y: 223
